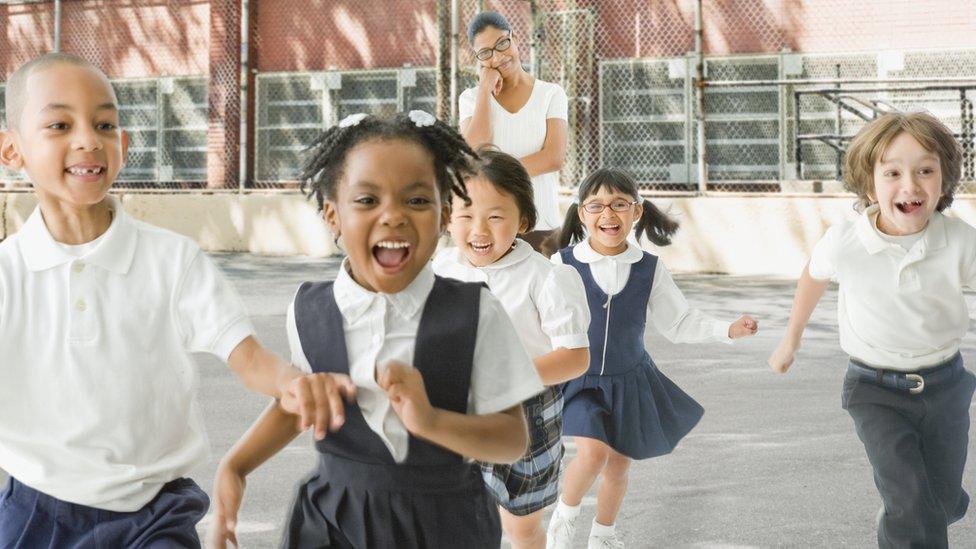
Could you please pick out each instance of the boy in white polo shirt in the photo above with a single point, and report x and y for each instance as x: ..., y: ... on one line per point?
x: 98, y: 316
x: 901, y: 268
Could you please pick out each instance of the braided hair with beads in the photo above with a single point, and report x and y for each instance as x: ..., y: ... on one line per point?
x: 453, y: 157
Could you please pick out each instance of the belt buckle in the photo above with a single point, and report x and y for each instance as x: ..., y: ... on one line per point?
x: 919, y: 383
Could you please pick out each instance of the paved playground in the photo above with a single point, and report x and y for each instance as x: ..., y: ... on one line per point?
x: 774, y: 463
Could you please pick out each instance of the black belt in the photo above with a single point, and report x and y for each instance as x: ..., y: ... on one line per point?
x: 913, y: 382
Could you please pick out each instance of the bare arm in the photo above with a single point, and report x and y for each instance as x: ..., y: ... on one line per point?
x: 272, y: 431
x: 495, y: 438
x: 808, y: 293
x: 552, y: 155
x: 476, y: 130
x: 315, y: 398
x: 562, y: 365
x: 261, y: 370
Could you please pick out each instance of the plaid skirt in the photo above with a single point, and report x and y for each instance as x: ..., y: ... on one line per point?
x: 532, y: 483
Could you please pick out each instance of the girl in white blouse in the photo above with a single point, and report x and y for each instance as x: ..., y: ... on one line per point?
x: 547, y: 305
x: 623, y: 408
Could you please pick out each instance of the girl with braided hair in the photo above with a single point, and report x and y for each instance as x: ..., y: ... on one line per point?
x: 438, y: 369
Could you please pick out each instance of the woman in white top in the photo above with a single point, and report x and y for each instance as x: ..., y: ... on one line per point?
x: 521, y: 115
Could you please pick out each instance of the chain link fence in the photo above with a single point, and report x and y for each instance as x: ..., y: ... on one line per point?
x: 228, y: 93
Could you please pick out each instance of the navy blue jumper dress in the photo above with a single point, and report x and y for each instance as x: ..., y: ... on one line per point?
x: 358, y: 496
x: 623, y: 400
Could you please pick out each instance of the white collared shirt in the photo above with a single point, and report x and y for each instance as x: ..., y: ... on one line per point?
x: 667, y: 308
x: 97, y: 385
x: 896, y: 308
x: 546, y: 302
x: 382, y: 327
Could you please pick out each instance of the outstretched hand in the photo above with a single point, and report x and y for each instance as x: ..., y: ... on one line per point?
x: 782, y: 358
x: 317, y: 400
x: 745, y: 326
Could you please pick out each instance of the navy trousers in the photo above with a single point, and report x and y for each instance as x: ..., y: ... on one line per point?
x: 917, y: 446
x: 32, y: 520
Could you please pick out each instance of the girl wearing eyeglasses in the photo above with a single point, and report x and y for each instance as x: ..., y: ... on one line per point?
x: 518, y: 113
x: 623, y: 408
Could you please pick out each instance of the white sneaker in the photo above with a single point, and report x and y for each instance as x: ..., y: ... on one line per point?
x: 604, y: 542
x: 561, y: 530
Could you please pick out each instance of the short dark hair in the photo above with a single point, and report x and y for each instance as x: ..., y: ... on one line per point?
x: 487, y: 19
x: 15, y: 93
x: 508, y: 175
x: 327, y: 154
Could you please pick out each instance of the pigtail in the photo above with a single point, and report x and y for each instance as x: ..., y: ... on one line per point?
x: 572, y: 230
x: 656, y: 225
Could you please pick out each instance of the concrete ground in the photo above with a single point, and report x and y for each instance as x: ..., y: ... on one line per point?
x: 774, y: 462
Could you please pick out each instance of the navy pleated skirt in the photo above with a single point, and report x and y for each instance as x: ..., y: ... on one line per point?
x: 347, y: 503
x: 639, y: 413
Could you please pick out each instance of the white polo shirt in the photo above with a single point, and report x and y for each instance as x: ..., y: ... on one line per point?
x: 896, y: 308
x: 97, y: 385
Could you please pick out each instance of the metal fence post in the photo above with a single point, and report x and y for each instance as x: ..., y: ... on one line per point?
x: 700, y: 99
x: 57, y: 25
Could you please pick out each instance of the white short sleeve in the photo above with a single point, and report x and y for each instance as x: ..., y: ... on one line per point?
x: 558, y: 104
x: 563, y: 309
x: 502, y: 375
x: 466, y: 103
x: 209, y: 311
x: 298, y: 358
x: 823, y: 259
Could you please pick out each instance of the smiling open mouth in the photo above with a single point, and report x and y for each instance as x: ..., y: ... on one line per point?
x: 610, y: 228
x: 909, y: 207
x: 86, y: 172
x: 391, y: 254
x: 481, y: 248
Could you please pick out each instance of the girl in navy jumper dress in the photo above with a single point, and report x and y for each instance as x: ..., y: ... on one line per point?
x: 623, y: 408
x: 431, y: 369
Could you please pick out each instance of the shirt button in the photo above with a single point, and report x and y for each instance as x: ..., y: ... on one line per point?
x: 80, y: 306
x: 78, y: 267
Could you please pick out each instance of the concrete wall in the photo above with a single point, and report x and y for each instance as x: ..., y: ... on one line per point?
x: 272, y: 224
x: 735, y: 235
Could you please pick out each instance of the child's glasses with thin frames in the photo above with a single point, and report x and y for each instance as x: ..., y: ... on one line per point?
x: 619, y: 205
x: 503, y: 44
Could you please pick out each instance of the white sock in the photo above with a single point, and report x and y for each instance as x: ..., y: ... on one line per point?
x: 602, y: 531
x: 568, y: 511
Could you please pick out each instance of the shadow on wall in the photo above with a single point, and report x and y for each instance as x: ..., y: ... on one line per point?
x: 135, y: 39
x: 292, y: 32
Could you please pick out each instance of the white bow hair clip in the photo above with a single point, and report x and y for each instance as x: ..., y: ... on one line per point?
x: 352, y: 119
x: 422, y: 119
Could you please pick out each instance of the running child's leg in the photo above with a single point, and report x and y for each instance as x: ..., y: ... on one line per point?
x: 613, y: 488
x: 524, y: 532
x: 591, y: 459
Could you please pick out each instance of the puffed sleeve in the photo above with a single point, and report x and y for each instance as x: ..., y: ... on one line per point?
x: 563, y: 310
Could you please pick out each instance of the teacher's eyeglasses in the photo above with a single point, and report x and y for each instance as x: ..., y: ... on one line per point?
x: 485, y: 54
x: 617, y: 206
